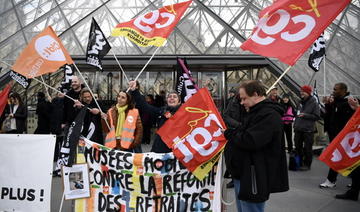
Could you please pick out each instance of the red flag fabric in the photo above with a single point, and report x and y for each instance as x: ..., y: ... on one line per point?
x: 194, y: 134
x: 343, y: 153
x: 154, y: 27
x: 287, y: 28
x: 4, y: 97
x: 44, y: 54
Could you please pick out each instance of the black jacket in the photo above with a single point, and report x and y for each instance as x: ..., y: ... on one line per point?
x: 337, y: 114
x: 256, y: 145
x: 311, y: 110
x: 43, y: 111
x: 158, y: 146
x: 92, y: 128
x: 57, y: 110
x: 20, y: 116
x: 233, y: 113
x: 70, y: 111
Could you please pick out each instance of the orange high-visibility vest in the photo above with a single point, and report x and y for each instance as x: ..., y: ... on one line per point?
x: 127, y: 134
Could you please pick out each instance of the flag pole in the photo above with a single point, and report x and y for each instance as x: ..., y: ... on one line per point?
x: 281, y: 76
x: 324, y: 75
x: 136, y: 78
x: 92, y: 94
x: 122, y: 70
x: 46, y: 89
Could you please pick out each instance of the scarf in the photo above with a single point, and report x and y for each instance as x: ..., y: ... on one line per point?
x: 120, y: 120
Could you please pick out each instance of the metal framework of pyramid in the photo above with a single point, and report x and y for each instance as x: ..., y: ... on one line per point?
x: 209, y: 27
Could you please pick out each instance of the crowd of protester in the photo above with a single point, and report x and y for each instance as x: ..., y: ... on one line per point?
x: 257, y: 127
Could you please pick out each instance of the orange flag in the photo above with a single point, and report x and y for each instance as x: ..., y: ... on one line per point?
x: 343, y: 153
x: 154, y: 27
x: 44, y: 54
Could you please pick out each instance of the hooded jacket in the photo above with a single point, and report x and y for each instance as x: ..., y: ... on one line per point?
x: 256, y: 154
x: 311, y: 110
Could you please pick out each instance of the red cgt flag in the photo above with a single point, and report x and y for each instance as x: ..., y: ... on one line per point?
x: 154, y: 27
x: 44, y: 54
x: 343, y: 153
x: 194, y: 134
x: 4, y: 97
x: 287, y: 28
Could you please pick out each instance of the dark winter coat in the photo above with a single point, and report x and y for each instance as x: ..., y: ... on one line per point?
x: 70, y: 111
x: 158, y: 146
x: 57, y: 110
x: 337, y: 114
x: 256, y: 145
x: 43, y: 111
x: 233, y: 113
x: 20, y: 116
x: 92, y: 128
x: 311, y: 110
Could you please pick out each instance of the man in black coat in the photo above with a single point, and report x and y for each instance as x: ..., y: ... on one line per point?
x: 337, y: 114
x: 257, y: 158
x: 69, y: 110
x: 308, y: 113
x: 43, y: 111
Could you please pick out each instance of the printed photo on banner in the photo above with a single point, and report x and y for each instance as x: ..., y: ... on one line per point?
x: 76, y: 181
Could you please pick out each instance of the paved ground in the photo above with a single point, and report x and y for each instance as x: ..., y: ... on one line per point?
x: 304, y: 194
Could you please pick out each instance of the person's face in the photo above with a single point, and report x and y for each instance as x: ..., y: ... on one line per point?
x: 75, y: 83
x: 273, y: 92
x: 285, y: 100
x: 12, y: 100
x: 173, y: 100
x: 304, y: 95
x: 147, y: 99
x: 86, y: 98
x: 122, y: 99
x: 247, y: 101
x: 337, y: 91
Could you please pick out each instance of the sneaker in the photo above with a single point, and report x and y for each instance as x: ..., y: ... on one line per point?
x: 327, y: 184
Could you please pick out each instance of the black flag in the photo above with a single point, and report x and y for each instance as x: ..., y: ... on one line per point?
x: 22, y: 80
x: 68, y: 73
x: 70, y: 142
x: 97, y: 47
x: 317, y: 53
x: 185, y: 85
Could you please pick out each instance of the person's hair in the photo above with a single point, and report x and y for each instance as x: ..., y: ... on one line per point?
x: 253, y: 86
x: 84, y: 90
x: 174, y: 92
x: 342, y: 86
x: 129, y: 99
x: 16, y: 96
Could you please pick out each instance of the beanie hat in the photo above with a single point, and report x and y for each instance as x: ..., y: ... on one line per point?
x: 307, y: 89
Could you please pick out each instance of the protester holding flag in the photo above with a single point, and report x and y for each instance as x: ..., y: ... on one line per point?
x: 92, y: 129
x: 17, y: 113
x: 125, y: 124
x: 173, y: 101
x: 258, y: 160
x: 337, y: 113
x: 69, y: 109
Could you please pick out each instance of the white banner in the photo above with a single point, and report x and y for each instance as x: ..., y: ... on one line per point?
x: 26, y: 167
x: 144, y: 182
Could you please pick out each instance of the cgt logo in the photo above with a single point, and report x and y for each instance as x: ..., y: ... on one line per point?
x: 199, y: 138
x: 142, y: 22
x: 307, y: 21
x: 48, y: 48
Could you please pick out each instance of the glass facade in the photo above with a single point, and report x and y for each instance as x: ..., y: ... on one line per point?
x: 209, y: 28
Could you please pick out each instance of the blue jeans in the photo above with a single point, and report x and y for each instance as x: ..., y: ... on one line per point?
x: 244, y: 206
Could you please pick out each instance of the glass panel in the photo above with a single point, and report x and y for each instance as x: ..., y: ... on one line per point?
x: 31, y: 10
x: 213, y: 82
x: 4, y: 5
x: 77, y: 9
x: 8, y: 24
